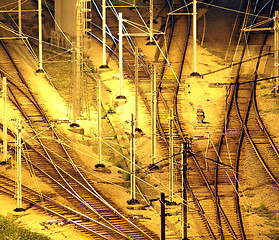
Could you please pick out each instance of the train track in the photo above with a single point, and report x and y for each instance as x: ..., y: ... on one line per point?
x: 52, y: 160
x: 214, y: 189
x: 168, y: 87
x: 243, y: 127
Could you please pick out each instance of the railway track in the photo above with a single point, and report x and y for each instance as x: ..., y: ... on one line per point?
x: 242, y: 124
x: 53, y: 161
x: 169, y: 84
x: 214, y: 185
x: 214, y: 189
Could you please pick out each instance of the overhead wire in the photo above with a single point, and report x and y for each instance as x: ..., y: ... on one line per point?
x: 231, y: 10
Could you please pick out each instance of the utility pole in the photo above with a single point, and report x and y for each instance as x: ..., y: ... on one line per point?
x: 18, y: 157
x: 40, y: 70
x: 171, y: 153
x: 5, y: 142
x: 276, y: 49
x: 133, y: 199
x: 19, y: 18
x: 104, y: 65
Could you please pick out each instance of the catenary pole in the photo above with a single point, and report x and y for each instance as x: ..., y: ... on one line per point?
x: 194, y: 36
x: 171, y: 153
x: 163, y: 217
x: 136, y: 86
x: 104, y: 65
x: 18, y: 157
x: 195, y: 73
x: 40, y: 37
x: 99, y: 122
x: 77, y: 62
x: 133, y: 199
x: 132, y: 159
x: 74, y: 79
x: 153, y: 115
x: 120, y: 53
x: 151, y: 20
x: 5, y: 144
x: 276, y: 49
x: 19, y: 18
x: 184, y: 190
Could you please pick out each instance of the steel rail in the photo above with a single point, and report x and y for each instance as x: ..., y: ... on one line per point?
x: 56, y: 203
x: 97, y: 195
x: 244, y: 126
x: 70, y: 186
x: 159, y: 93
x: 225, y: 129
x: 244, y: 130
x: 177, y: 120
x: 181, y: 134
x: 73, y: 193
x: 23, y: 81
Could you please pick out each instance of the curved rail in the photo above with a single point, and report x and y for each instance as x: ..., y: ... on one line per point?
x: 243, y: 123
x: 59, y: 172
